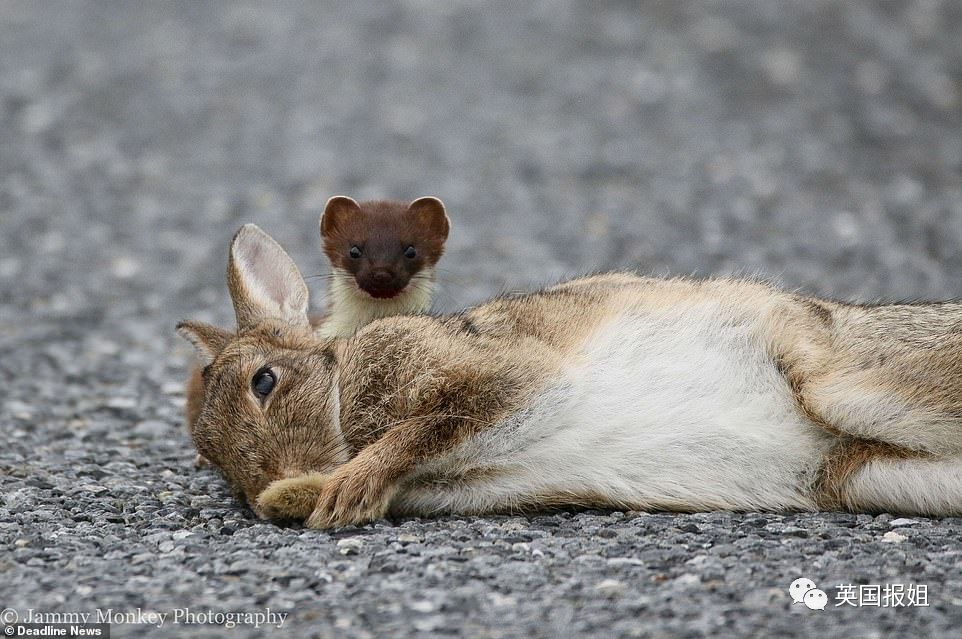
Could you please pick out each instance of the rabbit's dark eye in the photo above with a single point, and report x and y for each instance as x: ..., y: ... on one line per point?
x: 410, y: 253
x: 355, y: 252
x: 263, y: 382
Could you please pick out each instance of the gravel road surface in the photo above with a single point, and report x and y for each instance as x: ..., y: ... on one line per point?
x: 816, y: 143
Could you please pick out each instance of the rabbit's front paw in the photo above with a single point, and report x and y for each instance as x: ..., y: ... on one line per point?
x: 349, y: 497
x: 292, y: 498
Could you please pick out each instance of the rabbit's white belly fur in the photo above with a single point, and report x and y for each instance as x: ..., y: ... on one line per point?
x: 681, y: 410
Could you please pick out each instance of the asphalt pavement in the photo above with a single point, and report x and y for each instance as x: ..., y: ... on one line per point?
x: 817, y: 143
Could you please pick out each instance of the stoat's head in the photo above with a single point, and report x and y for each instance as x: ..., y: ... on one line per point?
x: 383, y: 244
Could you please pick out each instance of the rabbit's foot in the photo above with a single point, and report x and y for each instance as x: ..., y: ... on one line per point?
x: 292, y: 498
x: 350, y: 496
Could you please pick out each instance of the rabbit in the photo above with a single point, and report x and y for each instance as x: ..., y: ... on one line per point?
x: 612, y: 391
x: 383, y: 254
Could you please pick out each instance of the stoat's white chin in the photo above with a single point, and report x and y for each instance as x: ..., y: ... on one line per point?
x: 350, y: 308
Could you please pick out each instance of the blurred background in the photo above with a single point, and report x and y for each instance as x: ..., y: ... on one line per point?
x: 816, y: 143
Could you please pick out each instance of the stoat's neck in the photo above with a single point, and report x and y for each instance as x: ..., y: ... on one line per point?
x: 350, y: 308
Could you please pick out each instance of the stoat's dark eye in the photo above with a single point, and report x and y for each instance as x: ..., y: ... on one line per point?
x: 410, y: 253
x: 355, y: 252
x: 263, y: 382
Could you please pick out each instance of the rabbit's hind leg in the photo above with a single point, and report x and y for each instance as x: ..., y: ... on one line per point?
x: 873, y: 477
x: 889, y: 374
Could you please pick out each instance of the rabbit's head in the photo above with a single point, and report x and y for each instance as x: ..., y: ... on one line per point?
x: 270, y: 408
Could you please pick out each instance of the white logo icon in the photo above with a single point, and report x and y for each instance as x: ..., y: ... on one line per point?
x: 805, y: 591
x: 815, y: 599
x: 799, y: 587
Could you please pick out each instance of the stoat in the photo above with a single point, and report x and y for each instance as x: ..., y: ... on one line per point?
x: 383, y: 254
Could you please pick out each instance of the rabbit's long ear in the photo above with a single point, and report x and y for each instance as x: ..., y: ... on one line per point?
x: 207, y: 339
x: 263, y: 280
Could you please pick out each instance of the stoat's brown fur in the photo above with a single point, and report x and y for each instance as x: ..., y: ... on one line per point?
x: 383, y: 255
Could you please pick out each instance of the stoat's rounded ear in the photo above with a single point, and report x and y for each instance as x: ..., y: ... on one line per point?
x: 431, y: 216
x: 338, y: 209
x: 263, y: 280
